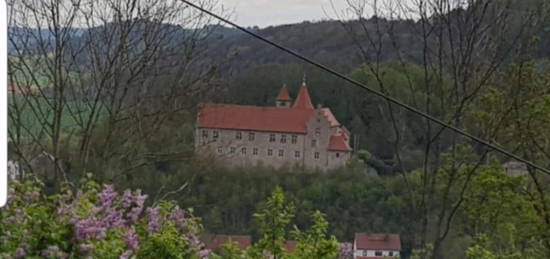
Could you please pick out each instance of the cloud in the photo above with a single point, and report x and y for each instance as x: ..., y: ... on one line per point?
x: 274, y: 12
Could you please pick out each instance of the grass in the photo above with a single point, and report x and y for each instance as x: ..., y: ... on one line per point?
x: 33, y: 115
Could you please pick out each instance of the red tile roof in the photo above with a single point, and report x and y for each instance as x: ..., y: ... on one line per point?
x: 239, y: 117
x: 218, y: 241
x: 283, y: 94
x: 330, y: 117
x: 338, y: 143
x: 389, y: 242
x: 303, y: 101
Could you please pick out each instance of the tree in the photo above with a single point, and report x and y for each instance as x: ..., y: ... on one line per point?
x: 274, y: 220
x: 95, y: 82
x: 461, y: 48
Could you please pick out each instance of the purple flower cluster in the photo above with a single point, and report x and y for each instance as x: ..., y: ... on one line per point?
x: 100, y: 217
x: 108, y: 214
x: 154, y: 220
x: 131, y: 239
x: 346, y: 251
x: 178, y: 216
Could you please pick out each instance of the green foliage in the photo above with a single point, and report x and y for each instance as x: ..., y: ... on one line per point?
x: 314, y: 242
x: 94, y: 222
x: 274, y: 219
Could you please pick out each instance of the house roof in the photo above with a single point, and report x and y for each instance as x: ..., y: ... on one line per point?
x: 303, y: 100
x: 390, y: 242
x: 254, y: 118
x: 283, y: 94
x: 217, y: 241
x: 330, y: 117
x: 338, y: 143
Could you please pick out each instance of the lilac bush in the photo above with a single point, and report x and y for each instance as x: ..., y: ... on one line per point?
x: 95, y: 221
x: 346, y: 251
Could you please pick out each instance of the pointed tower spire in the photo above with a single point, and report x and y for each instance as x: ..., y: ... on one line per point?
x: 303, y: 101
x: 283, y: 99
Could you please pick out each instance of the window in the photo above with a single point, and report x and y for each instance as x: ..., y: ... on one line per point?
x: 365, y: 253
x: 232, y: 151
x: 297, y: 154
x: 243, y: 151
x: 220, y: 150
x: 316, y: 155
x: 215, y: 134
x: 204, y: 133
x: 390, y: 253
x: 294, y: 139
x: 317, y: 131
x: 337, y: 154
x: 270, y: 152
x: 378, y: 253
x: 271, y: 137
x: 239, y: 135
x: 255, y: 151
x: 313, y: 143
x: 281, y: 152
x: 283, y: 138
x: 251, y: 136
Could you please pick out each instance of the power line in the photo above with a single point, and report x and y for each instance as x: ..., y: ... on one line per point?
x: 377, y: 93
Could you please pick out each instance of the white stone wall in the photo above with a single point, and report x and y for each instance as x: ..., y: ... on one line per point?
x: 227, y: 141
x: 317, y: 141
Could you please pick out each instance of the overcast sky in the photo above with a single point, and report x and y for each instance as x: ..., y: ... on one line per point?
x: 275, y: 12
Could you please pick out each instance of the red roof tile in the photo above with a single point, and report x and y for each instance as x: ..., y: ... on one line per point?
x: 283, y: 94
x: 390, y: 242
x: 330, y: 117
x: 239, y: 117
x: 218, y: 241
x: 338, y: 143
x: 303, y: 101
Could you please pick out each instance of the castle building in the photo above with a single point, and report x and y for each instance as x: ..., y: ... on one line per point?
x: 289, y: 133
